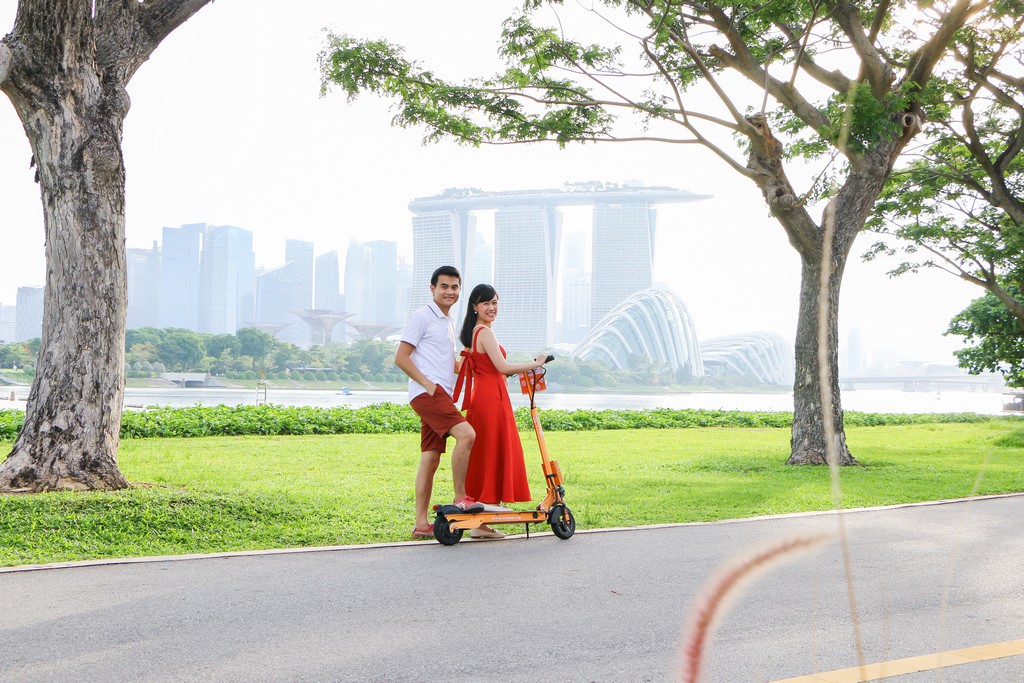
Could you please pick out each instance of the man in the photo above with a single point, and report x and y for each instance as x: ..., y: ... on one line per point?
x: 427, y: 355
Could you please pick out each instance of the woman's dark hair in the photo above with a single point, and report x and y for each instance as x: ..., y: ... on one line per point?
x: 479, y: 293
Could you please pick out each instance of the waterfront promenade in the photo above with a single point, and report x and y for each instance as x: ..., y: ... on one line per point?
x: 604, y: 606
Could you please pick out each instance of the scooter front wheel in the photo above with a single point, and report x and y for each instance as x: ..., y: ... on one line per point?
x: 563, y: 524
x: 444, y: 533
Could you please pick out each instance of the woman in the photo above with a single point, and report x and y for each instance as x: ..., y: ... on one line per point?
x: 497, y: 472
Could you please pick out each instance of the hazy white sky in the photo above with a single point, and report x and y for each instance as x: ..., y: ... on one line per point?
x: 227, y: 127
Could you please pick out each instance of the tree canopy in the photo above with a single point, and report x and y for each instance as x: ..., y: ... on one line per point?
x: 958, y: 204
x: 846, y: 85
x: 993, y: 333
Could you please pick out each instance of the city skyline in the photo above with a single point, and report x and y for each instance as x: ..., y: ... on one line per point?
x: 229, y: 292
x: 242, y: 158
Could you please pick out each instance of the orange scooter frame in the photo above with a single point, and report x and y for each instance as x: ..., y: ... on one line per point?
x: 451, y: 521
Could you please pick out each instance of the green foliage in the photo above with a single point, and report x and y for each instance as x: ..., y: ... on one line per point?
x: 557, y: 88
x: 215, y: 345
x: 857, y: 122
x: 476, y: 112
x: 665, y: 418
x: 255, y: 343
x: 151, y: 350
x: 958, y: 205
x: 392, y: 418
x: 198, y: 421
x: 997, y: 336
x: 1014, y: 439
x: 17, y: 354
x: 180, y: 349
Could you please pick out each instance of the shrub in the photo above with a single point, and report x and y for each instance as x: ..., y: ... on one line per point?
x: 391, y: 418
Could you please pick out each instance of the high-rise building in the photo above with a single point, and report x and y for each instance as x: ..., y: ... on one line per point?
x: 622, y: 254
x: 143, y: 287
x: 327, y: 277
x: 227, y: 290
x: 287, y: 290
x: 403, y: 287
x: 576, y: 295
x: 275, y: 303
x: 574, y: 323
x: 854, y: 353
x: 179, y: 276
x: 8, y: 323
x: 382, y: 283
x: 526, y: 246
x: 481, y: 263
x: 357, y: 269
x: 300, y: 253
x: 29, y: 313
x: 439, y: 238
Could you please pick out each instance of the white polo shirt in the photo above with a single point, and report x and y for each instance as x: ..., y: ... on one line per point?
x: 433, y: 334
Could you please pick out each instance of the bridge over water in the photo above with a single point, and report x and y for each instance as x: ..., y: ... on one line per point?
x: 953, y: 382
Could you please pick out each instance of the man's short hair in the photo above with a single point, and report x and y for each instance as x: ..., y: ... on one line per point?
x: 450, y: 271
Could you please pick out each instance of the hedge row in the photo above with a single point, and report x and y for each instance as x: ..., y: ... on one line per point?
x: 391, y: 418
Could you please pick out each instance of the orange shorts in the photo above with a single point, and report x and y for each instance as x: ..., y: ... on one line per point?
x: 438, y: 415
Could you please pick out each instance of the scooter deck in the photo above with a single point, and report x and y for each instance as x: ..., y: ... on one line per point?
x: 448, y: 510
x: 460, y: 519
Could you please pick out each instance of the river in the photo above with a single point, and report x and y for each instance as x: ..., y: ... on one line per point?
x: 867, y: 400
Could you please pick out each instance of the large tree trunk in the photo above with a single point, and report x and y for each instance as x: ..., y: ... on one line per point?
x: 812, y: 406
x: 65, y: 67
x: 818, y: 436
x: 73, y: 417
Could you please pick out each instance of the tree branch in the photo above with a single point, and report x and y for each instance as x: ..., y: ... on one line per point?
x: 927, y: 56
x: 744, y: 63
x: 133, y: 30
x: 161, y: 17
x: 1001, y: 196
x: 876, y: 24
x: 715, y: 149
x: 834, y: 79
x: 873, y: 68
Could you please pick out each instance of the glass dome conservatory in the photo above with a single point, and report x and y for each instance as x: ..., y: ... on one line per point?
x: 652, y: 324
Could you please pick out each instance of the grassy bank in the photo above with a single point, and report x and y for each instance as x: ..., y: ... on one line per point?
x: 248, y: 492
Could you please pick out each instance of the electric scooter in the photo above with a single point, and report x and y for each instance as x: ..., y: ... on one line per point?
x: 451, y: 521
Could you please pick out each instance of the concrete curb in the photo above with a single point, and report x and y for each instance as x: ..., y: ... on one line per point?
x: 400, y: 544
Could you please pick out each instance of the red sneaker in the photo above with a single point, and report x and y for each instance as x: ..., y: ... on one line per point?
x: 465, y: 502
x: 423, y: 532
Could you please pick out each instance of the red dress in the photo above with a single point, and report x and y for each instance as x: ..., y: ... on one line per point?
x: 497, y: 471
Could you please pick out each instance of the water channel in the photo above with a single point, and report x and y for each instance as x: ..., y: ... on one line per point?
x: 867, y: 400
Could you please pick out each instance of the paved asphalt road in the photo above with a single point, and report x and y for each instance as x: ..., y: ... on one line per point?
x: 602, y: 606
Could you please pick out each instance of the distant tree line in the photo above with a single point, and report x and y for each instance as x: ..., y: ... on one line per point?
x: 247, y: 354
x: 254, y: 354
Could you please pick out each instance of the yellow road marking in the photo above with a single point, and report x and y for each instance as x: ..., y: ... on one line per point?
x: 898, y: 667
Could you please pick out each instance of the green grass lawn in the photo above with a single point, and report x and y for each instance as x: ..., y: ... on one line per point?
x: 239, y: 493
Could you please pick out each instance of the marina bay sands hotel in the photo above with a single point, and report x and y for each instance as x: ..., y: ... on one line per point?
x: 525, y: 267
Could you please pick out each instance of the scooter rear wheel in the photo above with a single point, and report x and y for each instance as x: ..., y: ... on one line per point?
x: 563, y: 524
x: 444, y: 533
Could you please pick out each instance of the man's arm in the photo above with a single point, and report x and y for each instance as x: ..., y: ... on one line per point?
x: 403, y: 359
